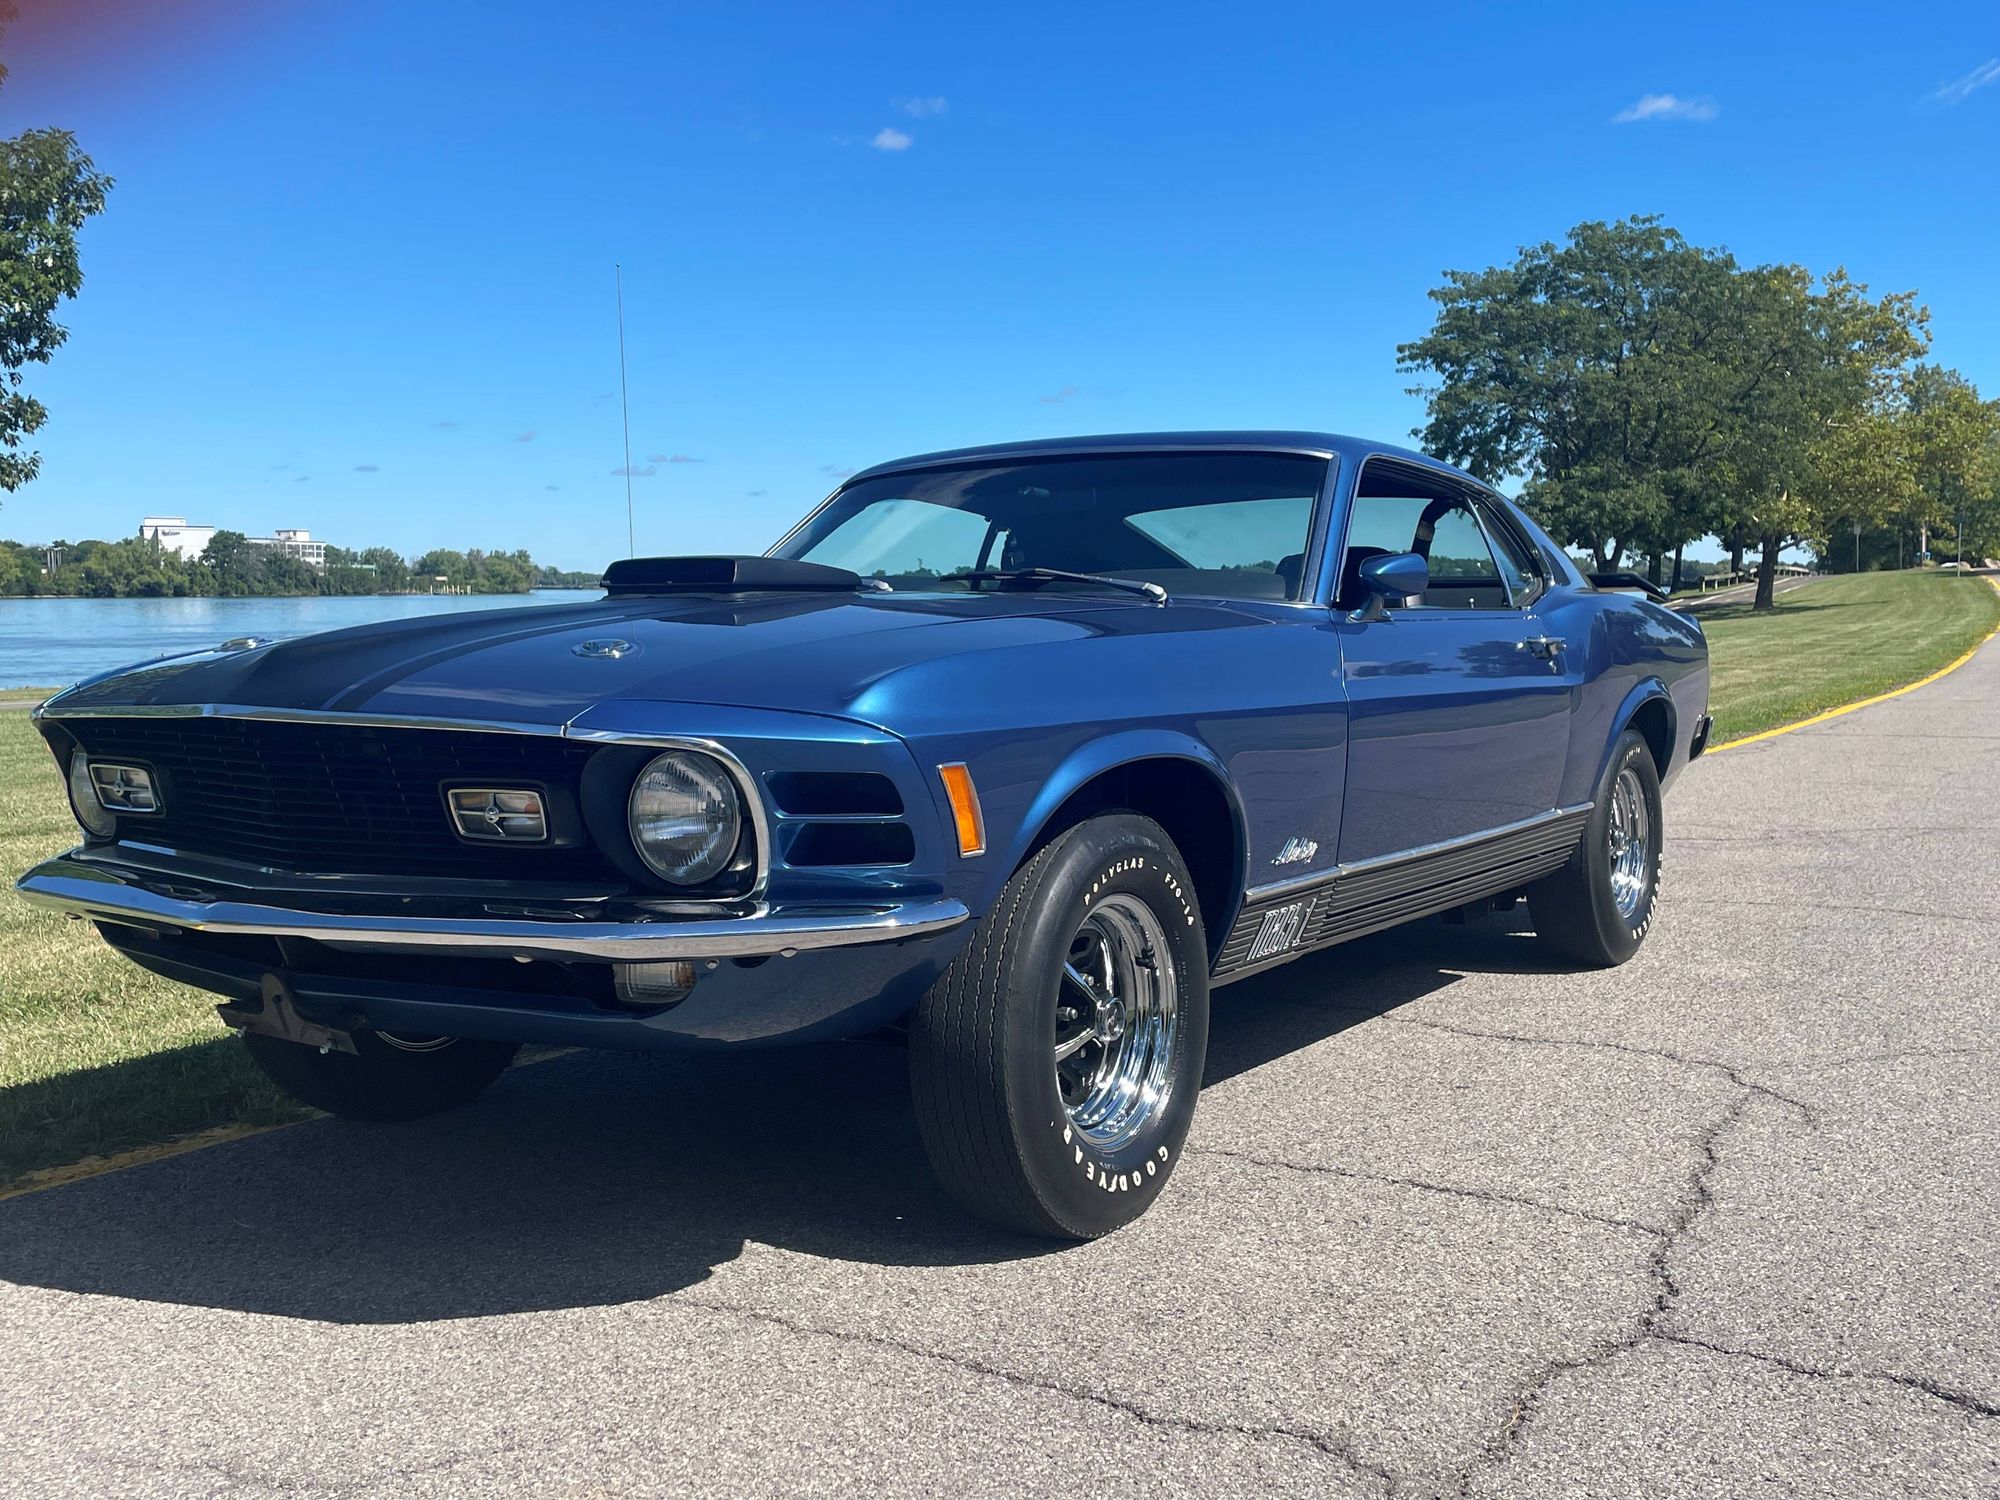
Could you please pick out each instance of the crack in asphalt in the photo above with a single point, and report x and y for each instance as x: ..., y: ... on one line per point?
x: 1698, y: 1198
x: 1884, y: 734
x: 1897, y: 1056
x: 242, y: 1474
x: 1797, y: 835
x: 1483, y: 1195
x: 1970, y: 1404
x: 1871, y: 911
x: 1727, y: 1070
x: 1333, y: 1448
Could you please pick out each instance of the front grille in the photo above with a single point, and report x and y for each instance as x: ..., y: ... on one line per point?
x: 339, y: 798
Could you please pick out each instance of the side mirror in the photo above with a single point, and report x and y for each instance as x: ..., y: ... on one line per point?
x: 1397, y: 575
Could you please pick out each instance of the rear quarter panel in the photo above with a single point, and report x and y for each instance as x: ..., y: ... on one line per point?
x: 1626, y: 650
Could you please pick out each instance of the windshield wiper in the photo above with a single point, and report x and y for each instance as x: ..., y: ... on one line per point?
x: 1152, y: 591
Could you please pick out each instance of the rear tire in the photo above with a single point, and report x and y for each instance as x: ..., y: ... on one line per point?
x: 1056, y: 1063
x: 400, y: 1079
x: 1596, y: 910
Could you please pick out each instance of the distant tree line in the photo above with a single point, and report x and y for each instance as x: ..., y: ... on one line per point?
x: 230, y: 567
x: 1647, y: 392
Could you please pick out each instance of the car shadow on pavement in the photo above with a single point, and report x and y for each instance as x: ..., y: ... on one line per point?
x: 595, y: 1179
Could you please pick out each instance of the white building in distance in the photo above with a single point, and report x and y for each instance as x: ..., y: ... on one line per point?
x: 173, y: 534
x: 294, y: 542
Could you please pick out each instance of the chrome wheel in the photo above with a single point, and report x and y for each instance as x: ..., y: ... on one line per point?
x: 1117, y: 1016
x: 1631, y: 838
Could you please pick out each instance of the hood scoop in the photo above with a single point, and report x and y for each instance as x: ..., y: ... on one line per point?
x: 633, y: 576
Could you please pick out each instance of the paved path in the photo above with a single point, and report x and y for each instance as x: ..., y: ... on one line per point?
x: 1694, y: 601
x: 1719, y: 1223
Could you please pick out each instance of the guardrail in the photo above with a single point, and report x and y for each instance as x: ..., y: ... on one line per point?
x: 1719, y: 581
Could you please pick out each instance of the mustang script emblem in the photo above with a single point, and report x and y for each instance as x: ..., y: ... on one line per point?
x: 1296, y: 852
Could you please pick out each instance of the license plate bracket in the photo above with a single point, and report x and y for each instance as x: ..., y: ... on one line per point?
x: 279, y: 1016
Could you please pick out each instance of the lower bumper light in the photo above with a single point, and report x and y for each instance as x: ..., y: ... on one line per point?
x: 652, y: 984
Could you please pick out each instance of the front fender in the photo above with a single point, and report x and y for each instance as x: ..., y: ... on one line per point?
x: 1080, y: 765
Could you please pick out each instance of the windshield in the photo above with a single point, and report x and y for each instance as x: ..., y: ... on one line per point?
x: 1233, y: 525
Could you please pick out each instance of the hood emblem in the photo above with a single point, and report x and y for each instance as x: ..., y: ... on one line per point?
x: 608, y: 648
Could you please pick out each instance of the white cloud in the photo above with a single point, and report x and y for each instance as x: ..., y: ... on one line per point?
x: 920, y: 108
x: 889, y: 138
x: 1667, y: 107
x: 1057, y: 398
x: 1960, y: 89
x: 634, y: 472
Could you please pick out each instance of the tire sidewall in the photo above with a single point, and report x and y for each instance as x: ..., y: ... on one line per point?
x: 1089, y: 1190
x: 1621, y: 938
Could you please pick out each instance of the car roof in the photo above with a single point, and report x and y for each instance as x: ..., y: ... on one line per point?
x: 1262, y: 440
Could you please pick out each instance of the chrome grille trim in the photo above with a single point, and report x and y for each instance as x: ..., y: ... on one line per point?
x: 747, y: 785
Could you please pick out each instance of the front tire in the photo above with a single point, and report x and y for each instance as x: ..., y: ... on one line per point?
x: 1596, y: 910
x: 1056, y: 1063
x: 387, y: 1076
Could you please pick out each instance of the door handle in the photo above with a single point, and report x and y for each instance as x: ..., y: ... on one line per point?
x: 1545, y: 646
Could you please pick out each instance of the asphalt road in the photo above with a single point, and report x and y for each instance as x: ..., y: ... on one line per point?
x: 1721, y: 1222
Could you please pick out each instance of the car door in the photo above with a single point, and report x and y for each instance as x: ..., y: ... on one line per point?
x: 1458, y: 701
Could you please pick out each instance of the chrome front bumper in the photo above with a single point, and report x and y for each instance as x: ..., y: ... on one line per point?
x: 601, y: 932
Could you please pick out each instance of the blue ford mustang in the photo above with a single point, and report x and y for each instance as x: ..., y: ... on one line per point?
x: 1027, y: 749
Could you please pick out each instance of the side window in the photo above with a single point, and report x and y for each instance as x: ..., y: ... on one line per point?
x: 1444, y: 529
x: 1521, y: 566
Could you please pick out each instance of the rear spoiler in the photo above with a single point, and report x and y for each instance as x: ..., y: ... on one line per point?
x: 1630, y: 581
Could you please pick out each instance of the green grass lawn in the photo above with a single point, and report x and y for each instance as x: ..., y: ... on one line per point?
x: 24, y: 695
x: 96, y: 1055
x: 1838, y: 639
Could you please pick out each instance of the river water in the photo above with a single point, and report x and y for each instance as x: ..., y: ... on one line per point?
x: 54, y: 642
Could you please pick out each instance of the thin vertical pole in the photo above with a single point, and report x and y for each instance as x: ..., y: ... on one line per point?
x: 624, y: 409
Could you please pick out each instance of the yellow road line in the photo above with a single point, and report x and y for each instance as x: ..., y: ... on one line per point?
x: 200, y: 1140
x: 1848, y: 708
x: 138, y: 1156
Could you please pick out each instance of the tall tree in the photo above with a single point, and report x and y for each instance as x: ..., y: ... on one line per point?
x: 1815, y: 360
x: 1954, y: 446
x: 1597, y: 370
x: 48, y: 188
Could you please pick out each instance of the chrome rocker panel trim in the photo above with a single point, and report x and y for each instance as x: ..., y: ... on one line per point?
x: 105, y: 892
x: 1288, y: 919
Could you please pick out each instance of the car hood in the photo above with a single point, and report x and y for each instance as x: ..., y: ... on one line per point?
x: 544, y: 665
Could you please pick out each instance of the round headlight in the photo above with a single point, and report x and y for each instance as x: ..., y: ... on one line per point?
x: 83, y: 800
x: 685, y: 816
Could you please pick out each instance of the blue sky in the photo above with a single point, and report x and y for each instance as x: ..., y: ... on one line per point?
x: 357, y: 271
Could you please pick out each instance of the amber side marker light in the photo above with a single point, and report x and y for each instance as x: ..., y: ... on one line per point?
x: 965, y: 811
